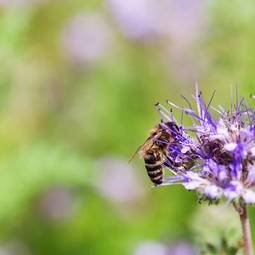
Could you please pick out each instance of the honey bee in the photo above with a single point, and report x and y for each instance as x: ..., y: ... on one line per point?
x: 154, y: 150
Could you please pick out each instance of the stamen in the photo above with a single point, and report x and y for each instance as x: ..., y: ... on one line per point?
x: 197, y: 98
x: 231, y: 98
x: 187, y: 101
x: 181, y: 117
x: 185, y: 110
x: 216, y: 110
x: 163, y: 112
x: 211, y: 99
x: 237, y: 100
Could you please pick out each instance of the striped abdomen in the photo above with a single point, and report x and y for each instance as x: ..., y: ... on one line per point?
x: 153, y: 165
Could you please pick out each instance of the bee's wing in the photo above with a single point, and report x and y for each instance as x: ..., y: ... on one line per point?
x: 135, y: 153
x: 142, y: 147
x: 146, y: 145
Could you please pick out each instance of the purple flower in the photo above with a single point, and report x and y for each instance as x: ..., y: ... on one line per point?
x: 216, y: 156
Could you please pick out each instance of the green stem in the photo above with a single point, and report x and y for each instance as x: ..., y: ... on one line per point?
x: 246, y: 228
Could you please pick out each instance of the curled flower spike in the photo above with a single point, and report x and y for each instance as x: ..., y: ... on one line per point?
x: 215, y: 157
x: 219, y: 160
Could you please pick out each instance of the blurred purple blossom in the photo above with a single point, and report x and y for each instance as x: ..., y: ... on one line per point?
x: 136, y: 18
x: 86, y: 38
x: 151, y: 248
x: 157, y: 248
x: 184, y: 20
x: 58, y: 203
x: 186, y: 25
x: 180, y: 20
x: 218, y: 162
x: 182, y: 248
x: 18, y: 3
x: 14, y: 248
x: 118, y: 181
x: 176, y: 25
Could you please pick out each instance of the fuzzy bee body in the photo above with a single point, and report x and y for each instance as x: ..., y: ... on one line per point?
x: 154, y: 152
x: 153, y: 163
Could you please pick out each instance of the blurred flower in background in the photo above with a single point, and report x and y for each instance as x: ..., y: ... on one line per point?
x: 57, y: 122
x: 119, y: 181
x: 14, y: 248
x: 182, y: 248
x: 182, y: 22
x: 175, y: 25
x: 136, y: 19
x: 186, y: 23
x: 151, y: 248
x: 157, y: 248
x: 18, y: 3
x: 213, y: 230
x: 58, y: 203
x: 86, y: 38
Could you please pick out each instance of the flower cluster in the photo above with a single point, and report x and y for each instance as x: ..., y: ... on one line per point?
x: 216, y: 156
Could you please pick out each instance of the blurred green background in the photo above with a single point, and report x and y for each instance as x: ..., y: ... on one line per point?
x: 78, y: 83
